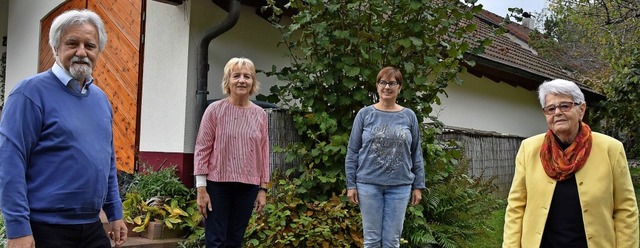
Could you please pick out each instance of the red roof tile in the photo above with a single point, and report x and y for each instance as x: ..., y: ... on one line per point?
x: 509, y: 53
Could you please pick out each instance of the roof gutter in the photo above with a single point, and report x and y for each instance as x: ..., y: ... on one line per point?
x: 203, y: 56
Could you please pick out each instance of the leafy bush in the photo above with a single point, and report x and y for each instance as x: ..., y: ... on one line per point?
x: 454, y: 213
x: 173, y: 213
x: 161, y: 196
x: 3, y: 234
x: 160, y: 183
x: 290, y: 221
x: 455, y: 208
x: 619, y: 114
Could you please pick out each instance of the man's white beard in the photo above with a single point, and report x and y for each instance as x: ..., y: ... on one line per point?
x: 80, y: 71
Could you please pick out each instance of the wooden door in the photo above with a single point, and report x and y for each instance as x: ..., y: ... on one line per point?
x: 117, y: 72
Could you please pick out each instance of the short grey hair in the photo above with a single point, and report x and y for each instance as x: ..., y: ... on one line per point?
x: 76, y: 17
x: 560, y: 87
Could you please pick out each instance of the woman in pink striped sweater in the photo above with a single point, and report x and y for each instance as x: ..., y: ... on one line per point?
x: 231, y: 161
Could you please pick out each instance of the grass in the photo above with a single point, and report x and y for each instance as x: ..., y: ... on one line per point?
x: 494, y: 225
x: 635, y: 178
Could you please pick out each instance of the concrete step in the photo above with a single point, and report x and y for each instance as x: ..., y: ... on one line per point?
x: 140, y: 242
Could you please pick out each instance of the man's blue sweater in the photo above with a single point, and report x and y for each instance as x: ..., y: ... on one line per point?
x: 57, y: 161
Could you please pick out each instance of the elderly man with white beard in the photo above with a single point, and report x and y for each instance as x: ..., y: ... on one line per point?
x: 57, y: 159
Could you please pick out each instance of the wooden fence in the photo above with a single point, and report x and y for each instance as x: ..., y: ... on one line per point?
x: 490, y: 155
x: 281, y: 133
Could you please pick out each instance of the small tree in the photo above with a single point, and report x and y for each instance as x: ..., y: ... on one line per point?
x: 619, y: 115
x: 336, y: 53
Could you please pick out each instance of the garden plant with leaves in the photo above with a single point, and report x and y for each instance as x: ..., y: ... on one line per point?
x: 3, y: 233
x: 336, y: 49
x: 160, y: 196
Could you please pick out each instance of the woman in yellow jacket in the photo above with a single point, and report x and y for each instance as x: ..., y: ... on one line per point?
x: 571, y: 186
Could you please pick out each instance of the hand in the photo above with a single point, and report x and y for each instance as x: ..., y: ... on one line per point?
x: 118, y: 232
x: 204, y: 202
x: 416, y: 197
x: 352, y: 194
x: 261, y: 200
x: 22, y: 242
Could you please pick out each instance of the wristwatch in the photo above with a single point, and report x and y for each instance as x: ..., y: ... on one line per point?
x: 263, y: 189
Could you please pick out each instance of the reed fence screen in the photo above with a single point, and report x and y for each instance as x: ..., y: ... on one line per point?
x: 282, y: 132
x: 491, y: 156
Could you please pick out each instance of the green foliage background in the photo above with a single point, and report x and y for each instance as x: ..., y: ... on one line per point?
x: 336, y: 50
x: 598, y: 42
x: 3, y: 237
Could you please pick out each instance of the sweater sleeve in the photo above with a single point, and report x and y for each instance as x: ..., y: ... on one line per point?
x: 204, y: 142
x: 113, y: 205
x: 353, y: 148
x: 416, y: 155
x: 264, y: 130
x: 19, y: 132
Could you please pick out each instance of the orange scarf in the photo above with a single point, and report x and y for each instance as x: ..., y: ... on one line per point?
x: 559, y: 164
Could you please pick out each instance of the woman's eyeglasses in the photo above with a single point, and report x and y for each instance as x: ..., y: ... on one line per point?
x: 563, y: 106
x: 391, y: 84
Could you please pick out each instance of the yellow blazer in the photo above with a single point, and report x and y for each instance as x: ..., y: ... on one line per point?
x: 609, y: 207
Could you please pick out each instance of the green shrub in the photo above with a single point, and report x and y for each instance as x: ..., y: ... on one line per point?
x: 454, y: 213
x: 3, y: 235
x: 160, y: 183
x: 161, y: 196
x: 290, y: 221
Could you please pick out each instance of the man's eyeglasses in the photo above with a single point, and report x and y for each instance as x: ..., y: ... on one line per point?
x: 391, y: 84
x: 563, y: 106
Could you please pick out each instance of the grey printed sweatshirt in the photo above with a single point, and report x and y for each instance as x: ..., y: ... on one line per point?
x: 384, y: 149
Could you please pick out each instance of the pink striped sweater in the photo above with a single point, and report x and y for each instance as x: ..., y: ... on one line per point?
x: 233, y: 144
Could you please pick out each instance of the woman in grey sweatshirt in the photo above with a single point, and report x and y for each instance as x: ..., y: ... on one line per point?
x: 384, y: 164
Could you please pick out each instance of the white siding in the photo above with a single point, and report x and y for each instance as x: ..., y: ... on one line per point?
x: 169, y: 82
x: 23, y: 37
x: 165, y: 78
x: 482, y: 104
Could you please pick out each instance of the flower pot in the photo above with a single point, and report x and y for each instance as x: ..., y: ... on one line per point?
x: 157, y: 230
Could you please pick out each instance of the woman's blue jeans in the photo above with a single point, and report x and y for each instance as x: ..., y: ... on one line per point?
x: 383, y: 209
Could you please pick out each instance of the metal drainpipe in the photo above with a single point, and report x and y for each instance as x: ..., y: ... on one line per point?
x: 203, y: 57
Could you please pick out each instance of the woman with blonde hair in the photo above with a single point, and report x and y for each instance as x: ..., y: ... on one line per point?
x: 231, y: 160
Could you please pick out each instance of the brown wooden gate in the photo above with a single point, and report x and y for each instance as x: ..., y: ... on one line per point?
x: 117, y: 72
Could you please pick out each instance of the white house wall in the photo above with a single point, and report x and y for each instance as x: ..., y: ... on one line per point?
x: 482, y: 104
x: 23, y: 38
x: 173, y: 35
x: 165, y: 77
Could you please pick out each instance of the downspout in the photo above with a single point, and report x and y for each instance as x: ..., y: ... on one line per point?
x: 203, y: 57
